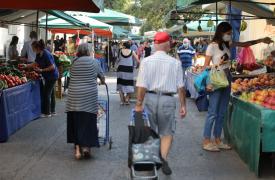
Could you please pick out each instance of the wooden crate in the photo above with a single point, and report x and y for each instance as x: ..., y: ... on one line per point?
x: 58, y: 89
x: 58, y: 85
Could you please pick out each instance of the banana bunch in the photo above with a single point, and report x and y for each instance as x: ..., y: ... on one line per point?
x: 243, y: 26
x: 199, y: 28
x: 185, y: 29
x: 210, y: 23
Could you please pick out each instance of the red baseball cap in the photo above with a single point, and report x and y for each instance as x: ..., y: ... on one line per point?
x: 161, y: 37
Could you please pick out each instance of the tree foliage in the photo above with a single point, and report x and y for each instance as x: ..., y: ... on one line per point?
x: 155, y: 13
x: 118, y: 5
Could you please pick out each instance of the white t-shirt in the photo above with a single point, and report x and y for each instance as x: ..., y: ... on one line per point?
x: 27, y: 51
x: 214, y: 51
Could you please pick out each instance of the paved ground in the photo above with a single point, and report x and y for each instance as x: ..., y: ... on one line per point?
x: 39, y: 152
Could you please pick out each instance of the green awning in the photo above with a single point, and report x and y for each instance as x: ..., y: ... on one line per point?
x: 59, y: 14
x: 120, y: 32
x: 111, y: 17
x: 135, y: 37
x: 60, y: 19
x: 185, y: 3
x: 82, y: 23
x: 257, y: 9
x: 193, y: 25
x: 93, y: 23
x: 59, y: 23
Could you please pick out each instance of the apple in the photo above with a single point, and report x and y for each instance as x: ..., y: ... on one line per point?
x: 260, y: 98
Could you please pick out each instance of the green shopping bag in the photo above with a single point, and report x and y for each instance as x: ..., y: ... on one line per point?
x: 218, y: 78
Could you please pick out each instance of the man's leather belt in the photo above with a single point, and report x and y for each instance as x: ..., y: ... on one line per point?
x: 161, y: 94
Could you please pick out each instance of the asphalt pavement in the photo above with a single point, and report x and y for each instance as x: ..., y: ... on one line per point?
x: 39, y: 151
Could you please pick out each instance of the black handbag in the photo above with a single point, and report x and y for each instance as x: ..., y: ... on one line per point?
x: 202, y: 103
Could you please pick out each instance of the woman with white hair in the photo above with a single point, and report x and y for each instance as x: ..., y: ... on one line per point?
x: 81, y: 106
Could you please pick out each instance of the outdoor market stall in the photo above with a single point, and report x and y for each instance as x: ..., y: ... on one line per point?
x: 251, y: 129
x: 19, y: 98
x: 250, y: 120
x: 92, y: 28
x: 19, y: 106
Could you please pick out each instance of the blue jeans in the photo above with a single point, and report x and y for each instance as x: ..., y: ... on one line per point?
x: 48, y: 97
x: 218, y: 103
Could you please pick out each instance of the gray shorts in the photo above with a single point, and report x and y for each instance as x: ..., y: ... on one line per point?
x: 161, y: 111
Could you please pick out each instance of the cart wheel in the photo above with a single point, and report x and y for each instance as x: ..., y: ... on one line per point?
x: 110, y: 143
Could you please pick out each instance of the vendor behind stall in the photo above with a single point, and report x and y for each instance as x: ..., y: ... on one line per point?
x: 27, y: 54
x: 12, y: 51
x: 71, y: 47
x: 44, y: 64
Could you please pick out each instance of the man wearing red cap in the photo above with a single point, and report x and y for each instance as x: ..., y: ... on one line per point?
x: 160, y: 78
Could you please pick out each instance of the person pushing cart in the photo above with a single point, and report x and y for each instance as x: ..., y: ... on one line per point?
x: 160, y: 78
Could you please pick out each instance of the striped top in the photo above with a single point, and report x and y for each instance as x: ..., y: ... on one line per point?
x: 83, y: 93
x: 161, y: 73
x: 125, y: 73
x: 186, y: 55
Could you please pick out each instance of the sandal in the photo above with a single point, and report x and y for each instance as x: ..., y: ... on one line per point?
x: 86, y: 153
x: 210, y: 147
x: 223, y: 146
x: 122, y: 103
x: 77, y: 155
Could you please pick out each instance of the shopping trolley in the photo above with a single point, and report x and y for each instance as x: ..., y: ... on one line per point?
x: 140, y: 160
x: 103, y: 120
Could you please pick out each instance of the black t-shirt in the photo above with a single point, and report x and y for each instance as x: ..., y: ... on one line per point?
x: 147, y: 51
x: 57, y: 45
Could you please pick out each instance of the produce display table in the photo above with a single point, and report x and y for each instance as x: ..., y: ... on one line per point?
x: 251, y: 130
x: 18, y: 106
x: 189, y: 84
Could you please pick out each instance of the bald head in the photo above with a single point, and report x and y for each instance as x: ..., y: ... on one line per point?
x: 163, y: 46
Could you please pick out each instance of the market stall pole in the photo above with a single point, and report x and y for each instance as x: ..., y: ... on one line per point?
x: 217, y: 20
x: 93, y: 43
x: 37, y: 21
x: 58, y: 85
x: 108, y: 51
x: 46, y: 30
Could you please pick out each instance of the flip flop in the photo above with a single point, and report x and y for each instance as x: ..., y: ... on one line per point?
x: 210, y: 147
x: 223, y: 146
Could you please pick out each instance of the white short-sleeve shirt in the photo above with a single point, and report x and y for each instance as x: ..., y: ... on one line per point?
x: 214, y: 51
x: 161, y: 73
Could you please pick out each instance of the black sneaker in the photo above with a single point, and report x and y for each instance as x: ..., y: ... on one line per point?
x: 165, y: 168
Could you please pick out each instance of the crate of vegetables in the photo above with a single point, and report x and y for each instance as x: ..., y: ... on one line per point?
x: 9, y: 81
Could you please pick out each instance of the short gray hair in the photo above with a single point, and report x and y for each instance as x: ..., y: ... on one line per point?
x: 84, y: 49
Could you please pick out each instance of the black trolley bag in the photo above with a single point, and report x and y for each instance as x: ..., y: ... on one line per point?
x: 144, y: 148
